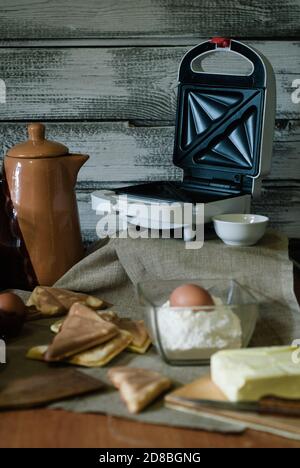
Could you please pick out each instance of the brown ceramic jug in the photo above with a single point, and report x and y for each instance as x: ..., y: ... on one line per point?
x: 40, y: 235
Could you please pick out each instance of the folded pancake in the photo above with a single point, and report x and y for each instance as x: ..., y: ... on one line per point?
x: 140, y: 349
x: 37, y: 352
x: 57, y: 301
x: 82, y: 329
x: 138, y: 387
x: 56, y: 326
x: 44, y: 302
x: 85, y: 313
x: 138, y: 331
x: 68, y: 298
x: 101, y: 355
x: 140, y: 338
x: 95, y: 357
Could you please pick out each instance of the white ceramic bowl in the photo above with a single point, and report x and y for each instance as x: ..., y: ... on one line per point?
x: 240, y: 229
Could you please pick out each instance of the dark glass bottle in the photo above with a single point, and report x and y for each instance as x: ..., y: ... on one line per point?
x: 15, y: 267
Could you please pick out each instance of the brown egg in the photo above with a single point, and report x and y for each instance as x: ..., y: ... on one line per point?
x: 12, y: 314
x: 190, y: 295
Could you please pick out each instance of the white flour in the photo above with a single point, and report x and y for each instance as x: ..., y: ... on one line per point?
x: 189, y: 334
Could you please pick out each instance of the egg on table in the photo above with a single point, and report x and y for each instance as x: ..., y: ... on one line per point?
x: 190, y: 295
x: 12, y: 314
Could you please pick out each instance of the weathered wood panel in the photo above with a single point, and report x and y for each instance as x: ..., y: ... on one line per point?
x: 115, y: 83
x: 121, y: 152
x: 123, y: 18
x: 281, y: 203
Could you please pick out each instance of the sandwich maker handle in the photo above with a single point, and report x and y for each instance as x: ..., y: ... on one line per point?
x: 257, y: 79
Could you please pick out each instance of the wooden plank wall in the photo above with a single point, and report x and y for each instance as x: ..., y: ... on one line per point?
x: 102, y: 75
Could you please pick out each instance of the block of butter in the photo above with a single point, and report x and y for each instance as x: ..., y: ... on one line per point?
x: 252, y: 373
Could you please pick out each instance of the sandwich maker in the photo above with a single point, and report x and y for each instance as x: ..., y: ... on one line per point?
x: 223, y: 139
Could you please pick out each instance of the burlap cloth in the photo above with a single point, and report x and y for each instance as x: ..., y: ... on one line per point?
x: 112, y: 271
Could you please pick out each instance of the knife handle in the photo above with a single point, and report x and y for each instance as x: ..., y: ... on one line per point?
x: 279, y: 405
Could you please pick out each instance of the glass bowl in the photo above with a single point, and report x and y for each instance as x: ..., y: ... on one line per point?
x: 236, y: 301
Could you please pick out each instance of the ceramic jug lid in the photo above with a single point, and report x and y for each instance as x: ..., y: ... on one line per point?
x: 37, y: 146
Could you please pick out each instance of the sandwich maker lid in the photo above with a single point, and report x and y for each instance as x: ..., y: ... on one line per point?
x: 219, y: 120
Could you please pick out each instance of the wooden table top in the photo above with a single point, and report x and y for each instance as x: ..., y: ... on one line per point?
x: 59, y: 428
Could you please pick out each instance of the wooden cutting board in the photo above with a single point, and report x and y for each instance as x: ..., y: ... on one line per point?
x: 50, y: 386
x: 204, y: 390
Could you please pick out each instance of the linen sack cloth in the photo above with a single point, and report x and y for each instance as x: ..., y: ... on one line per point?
x: 112, y: 271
